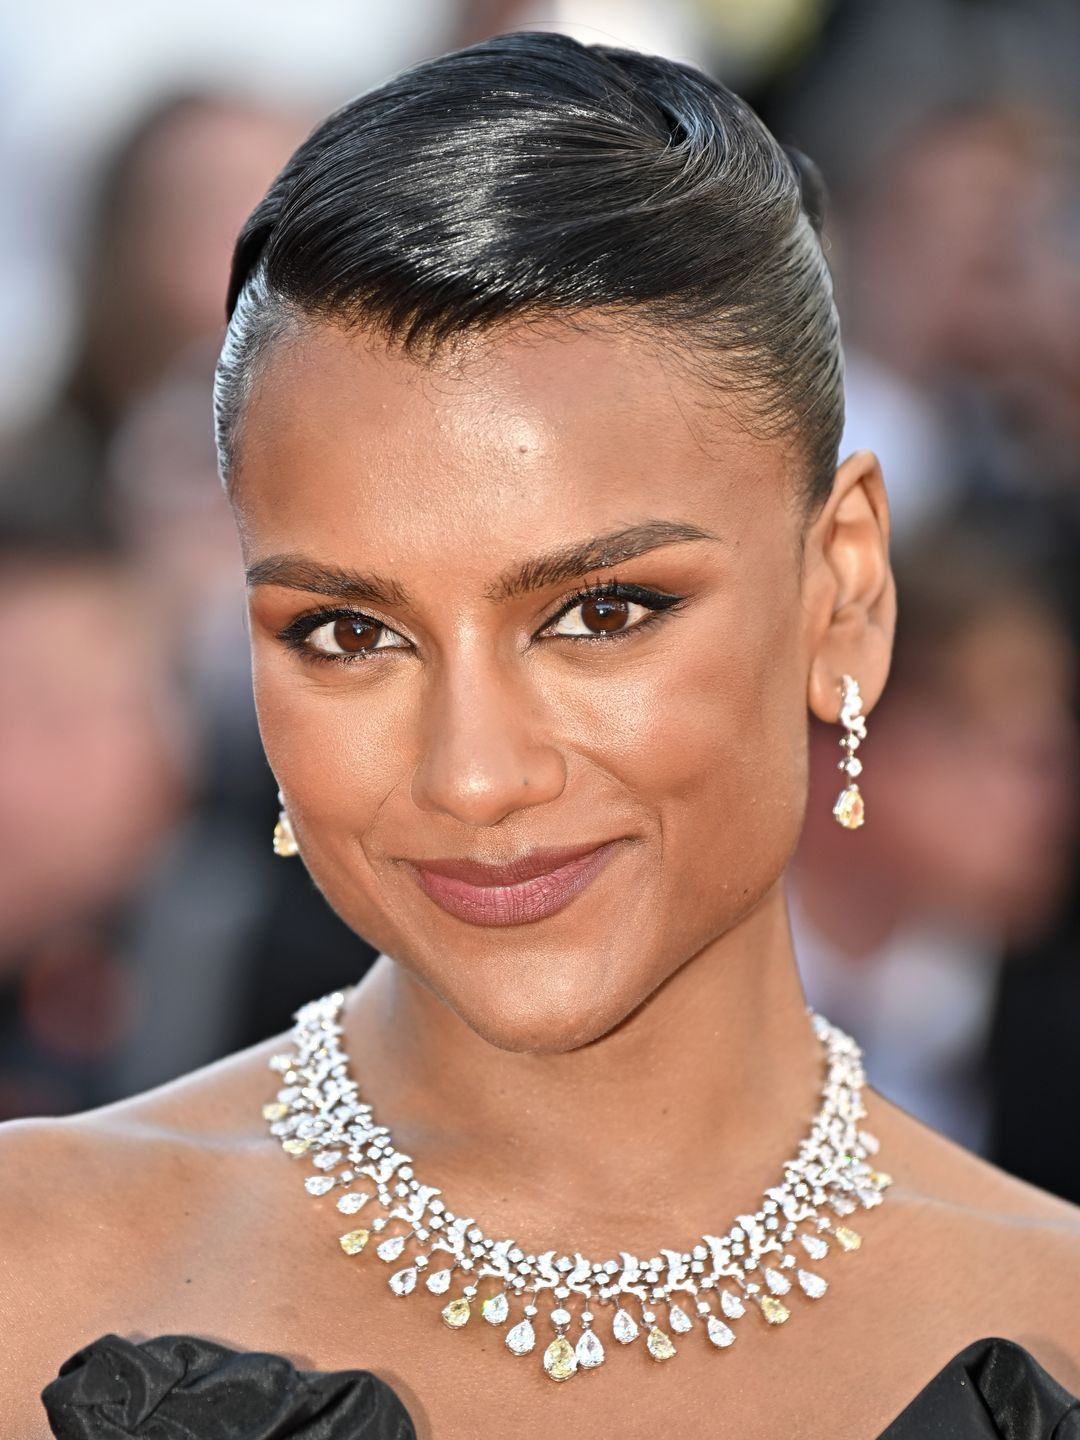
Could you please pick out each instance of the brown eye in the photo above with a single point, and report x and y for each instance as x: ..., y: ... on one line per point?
x: 605, y: 613
x: 355, y: 634
x: 602, y: 615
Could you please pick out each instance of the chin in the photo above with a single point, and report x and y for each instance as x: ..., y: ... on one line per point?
x: 545, y: 1019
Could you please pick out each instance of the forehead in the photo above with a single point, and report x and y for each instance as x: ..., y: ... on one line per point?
x: 516, y: 435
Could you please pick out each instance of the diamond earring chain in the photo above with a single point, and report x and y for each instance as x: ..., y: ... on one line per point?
x: 762, y: 1258
x: 850, y: 809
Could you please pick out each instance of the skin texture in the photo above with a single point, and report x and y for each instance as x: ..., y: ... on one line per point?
x: 629, y: 1071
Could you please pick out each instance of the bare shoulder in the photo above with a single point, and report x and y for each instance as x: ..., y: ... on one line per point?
x: 96, y: 1207
x: 1004, y: 1254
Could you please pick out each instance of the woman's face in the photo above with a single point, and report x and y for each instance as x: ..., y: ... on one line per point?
x: 467, y: 713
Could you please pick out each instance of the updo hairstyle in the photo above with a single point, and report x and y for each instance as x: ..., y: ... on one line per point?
x: 531, y: 177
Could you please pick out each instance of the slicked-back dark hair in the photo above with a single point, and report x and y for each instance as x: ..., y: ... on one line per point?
x: 532, y: 176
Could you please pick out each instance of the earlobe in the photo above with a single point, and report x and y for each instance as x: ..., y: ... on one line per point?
x: 853, y: 602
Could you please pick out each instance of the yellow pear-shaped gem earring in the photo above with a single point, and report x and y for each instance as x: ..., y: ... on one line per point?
x: 849, y: 808
x: 284, y: 839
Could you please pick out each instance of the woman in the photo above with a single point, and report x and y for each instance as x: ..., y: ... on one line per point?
x: 529, y: 410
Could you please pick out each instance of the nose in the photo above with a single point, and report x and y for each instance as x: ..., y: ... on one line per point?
x: 486, y: 745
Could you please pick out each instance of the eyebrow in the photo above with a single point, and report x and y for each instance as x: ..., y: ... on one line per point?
x: 570, y: 562
x: 294, y: 572
x: 567, y: 562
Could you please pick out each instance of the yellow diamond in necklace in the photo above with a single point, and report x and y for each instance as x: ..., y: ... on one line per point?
x: 560, y: 1360
x: 457, y: 1313
x: 775, y: 1311
x: 661, y: 1346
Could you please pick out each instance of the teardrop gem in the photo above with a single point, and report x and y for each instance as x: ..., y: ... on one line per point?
x: 495, y: 1308
x: 588, y: 1350
x: 731, y: 1305
x: 813, y: 1285
x: 720, y: 1334
x: 521, y: 1338
x: 778, y: 1283
x: 354, y: 1241
x: 438, y: 1282
x: 624, y: 1327
x: 319, y: 1184
x: 815, y: 1246
x: 849, y: 1239
x: 457, y: 1312
x: 403, y: 1281
x: 560, y: 1359
x: 295, y: 1145
x: 660, y: 1345
x: 349, y: 1204
x: 679, y: 1320
x: 390, y: 1249
x: 775, y: 1311
x: 849, y: 808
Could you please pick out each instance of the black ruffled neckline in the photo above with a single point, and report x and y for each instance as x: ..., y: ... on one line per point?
x: 181, y: 1387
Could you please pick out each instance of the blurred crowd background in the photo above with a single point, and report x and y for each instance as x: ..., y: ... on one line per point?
x: 145, y: 925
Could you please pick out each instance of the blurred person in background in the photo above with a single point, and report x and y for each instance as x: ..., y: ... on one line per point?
x: 93, y: 773
x: 971, y: 848
x: 123, y: 463
x: 152, y: 254
x: 960, y: 283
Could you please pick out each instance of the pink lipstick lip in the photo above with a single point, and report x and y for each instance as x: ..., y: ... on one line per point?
x: 526, y: 867
x: 532, y: 898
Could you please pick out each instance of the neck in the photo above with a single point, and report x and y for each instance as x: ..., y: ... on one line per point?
x: 671, y: 1123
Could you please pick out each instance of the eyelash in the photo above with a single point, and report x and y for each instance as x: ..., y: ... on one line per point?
x: 295, y: 634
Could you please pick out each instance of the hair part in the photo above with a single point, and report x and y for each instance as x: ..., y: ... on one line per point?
x: 533, y: 177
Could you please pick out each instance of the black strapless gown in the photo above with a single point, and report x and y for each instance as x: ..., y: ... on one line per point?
x: 178, y: 1387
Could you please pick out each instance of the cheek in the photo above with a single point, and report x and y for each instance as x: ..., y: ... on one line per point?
x: 728, y: 750
x: 335, y: 746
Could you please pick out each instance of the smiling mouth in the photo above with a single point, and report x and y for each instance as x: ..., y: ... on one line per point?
x: 473, y: 893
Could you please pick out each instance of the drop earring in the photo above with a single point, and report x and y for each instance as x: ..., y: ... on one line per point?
x: 284, y: 840
x: 849, y: 808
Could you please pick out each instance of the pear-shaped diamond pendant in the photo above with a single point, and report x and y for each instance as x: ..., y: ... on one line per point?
x: 660, y: 1346
x: 589, y: 1350
x: 457, y: 1312
x: 811, y: 1284
x: 720, y: 1334
x: 496, y: 1308
x: 402, y: 1282
x: 390, y: 1249
x: 560, y: 1359
x: 521, y: 1338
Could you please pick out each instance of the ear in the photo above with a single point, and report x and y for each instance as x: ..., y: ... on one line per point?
x: 849, y: 595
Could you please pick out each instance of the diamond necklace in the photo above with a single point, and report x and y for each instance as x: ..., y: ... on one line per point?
x: 317, y: 1115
